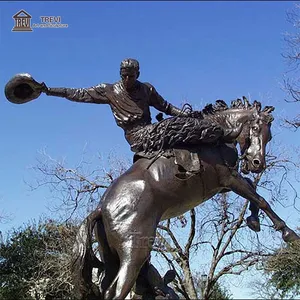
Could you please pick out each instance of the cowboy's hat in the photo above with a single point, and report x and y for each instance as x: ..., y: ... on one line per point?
x: 22, y: 88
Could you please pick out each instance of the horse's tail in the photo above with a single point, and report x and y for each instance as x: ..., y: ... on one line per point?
x: 84, y: 259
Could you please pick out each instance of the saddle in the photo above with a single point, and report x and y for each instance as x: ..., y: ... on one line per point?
x: 187, y: 160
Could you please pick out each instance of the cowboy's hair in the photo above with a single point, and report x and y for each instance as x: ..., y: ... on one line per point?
x: 130, y: 63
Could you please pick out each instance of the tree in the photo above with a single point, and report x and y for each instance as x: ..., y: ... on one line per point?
x: 219, y: 292
x: 18, y: 263
x: 282, y: 269
x: 282, y: 273
x: 34, y: 262
x: 77, y: 190
x: 224, y: 238
x: 291, y: 81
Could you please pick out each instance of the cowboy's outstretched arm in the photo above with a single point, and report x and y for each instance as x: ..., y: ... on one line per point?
x: 94, y: 94
x: 157, y: 101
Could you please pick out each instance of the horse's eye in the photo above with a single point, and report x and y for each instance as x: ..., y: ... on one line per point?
x: 255, y: 128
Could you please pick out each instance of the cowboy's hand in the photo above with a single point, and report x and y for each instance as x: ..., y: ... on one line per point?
x: 43, y: 87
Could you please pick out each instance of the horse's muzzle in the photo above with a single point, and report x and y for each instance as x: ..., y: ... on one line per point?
x: 256, y: 165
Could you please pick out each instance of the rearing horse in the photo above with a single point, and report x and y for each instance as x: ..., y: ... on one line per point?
x: 133, y: 205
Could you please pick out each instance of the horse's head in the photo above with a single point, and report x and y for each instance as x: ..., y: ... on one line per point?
x: 254, y: 137
x: 246, y: 124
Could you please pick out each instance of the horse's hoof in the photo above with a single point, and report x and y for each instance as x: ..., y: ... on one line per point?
x: 253, y: 223
x: 289, y: 235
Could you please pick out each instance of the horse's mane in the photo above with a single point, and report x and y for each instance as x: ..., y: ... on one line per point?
x: 211, y: 109
x: 221, y: 105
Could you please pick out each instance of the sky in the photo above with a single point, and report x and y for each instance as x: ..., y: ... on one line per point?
x: 195, y: 52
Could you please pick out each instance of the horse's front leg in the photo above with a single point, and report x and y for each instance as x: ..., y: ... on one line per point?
x: 241, y: 186
x: 253, y: 220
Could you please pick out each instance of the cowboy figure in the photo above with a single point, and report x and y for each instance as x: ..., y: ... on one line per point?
x: 130, y: 102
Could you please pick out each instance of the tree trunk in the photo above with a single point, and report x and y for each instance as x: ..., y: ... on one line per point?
x: 188, y: 280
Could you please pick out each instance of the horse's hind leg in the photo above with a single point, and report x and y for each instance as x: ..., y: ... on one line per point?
x: 109, y: 274
x: 131, y: 263
x: 110, y: 259
x: 133, y: 250
x: 241, y: 187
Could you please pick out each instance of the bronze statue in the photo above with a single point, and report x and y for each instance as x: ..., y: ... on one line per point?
x: 179, y: 163
x: 131, y: 208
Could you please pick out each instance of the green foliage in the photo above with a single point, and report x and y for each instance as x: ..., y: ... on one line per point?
x: 220, y: 293
x: 31, y: 255
x: 216, y: 292
x: 18, y: 261
x: 284, y: 269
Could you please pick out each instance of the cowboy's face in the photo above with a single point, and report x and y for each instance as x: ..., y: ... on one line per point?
x: 129, y: 77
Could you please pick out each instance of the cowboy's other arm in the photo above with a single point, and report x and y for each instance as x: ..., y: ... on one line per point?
x: 157, y: 101
x: 94, y: 94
